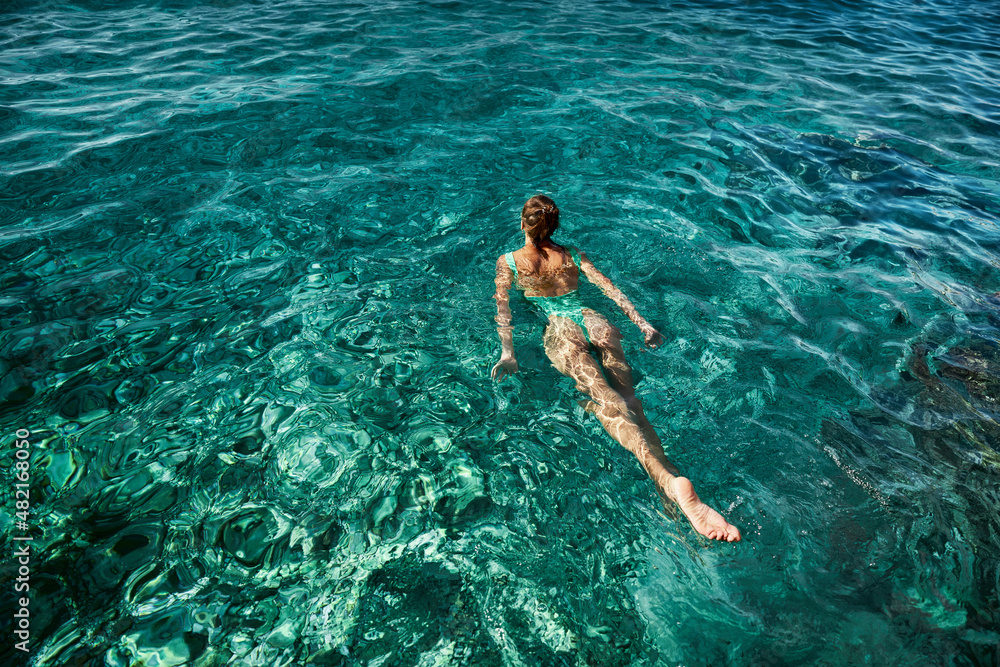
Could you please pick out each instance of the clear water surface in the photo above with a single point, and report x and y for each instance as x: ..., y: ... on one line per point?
x: 248, y: 256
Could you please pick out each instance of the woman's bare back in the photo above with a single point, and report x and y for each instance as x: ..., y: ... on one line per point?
x: 551, y: 274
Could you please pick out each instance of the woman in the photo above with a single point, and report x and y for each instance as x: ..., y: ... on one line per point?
x: 549, y: 274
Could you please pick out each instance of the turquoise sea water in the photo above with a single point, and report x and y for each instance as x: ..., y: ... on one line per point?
x: 248, y: 255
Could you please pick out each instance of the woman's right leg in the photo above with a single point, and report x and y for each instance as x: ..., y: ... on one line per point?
x: 606, y: 339
x: 567, y: 348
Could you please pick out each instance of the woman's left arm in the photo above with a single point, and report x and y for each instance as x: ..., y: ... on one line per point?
x: 653, y: 337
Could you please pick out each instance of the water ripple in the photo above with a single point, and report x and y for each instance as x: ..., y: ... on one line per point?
x: 245, y: 315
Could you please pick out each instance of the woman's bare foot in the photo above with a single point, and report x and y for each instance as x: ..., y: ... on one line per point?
x: 705, y: 520
x: 620, y: 423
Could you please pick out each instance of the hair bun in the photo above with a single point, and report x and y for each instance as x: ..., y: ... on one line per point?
x: 539, y: 218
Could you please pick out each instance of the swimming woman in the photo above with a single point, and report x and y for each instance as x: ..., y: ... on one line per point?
x: 549, y: 274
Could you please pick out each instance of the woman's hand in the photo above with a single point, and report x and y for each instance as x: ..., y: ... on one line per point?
x: 506, y: 366
x: 653, y: 337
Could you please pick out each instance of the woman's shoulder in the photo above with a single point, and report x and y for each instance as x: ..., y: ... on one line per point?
x: 506, y: 261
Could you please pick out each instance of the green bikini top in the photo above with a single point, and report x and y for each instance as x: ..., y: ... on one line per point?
x: 513, y: 266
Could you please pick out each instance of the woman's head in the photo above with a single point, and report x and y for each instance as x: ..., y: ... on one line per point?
x: 539, y: 219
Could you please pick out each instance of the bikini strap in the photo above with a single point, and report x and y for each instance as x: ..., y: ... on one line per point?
x: 510, y: 262
x: 576, y: 257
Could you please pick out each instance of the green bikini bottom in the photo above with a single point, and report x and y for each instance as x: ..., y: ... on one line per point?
x: 568, y: 305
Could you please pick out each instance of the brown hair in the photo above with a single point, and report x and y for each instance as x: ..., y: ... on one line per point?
x: 540, y: 217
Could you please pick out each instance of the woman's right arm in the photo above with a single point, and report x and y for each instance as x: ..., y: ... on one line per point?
x: 507, y: 364
x: 652, y: 336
